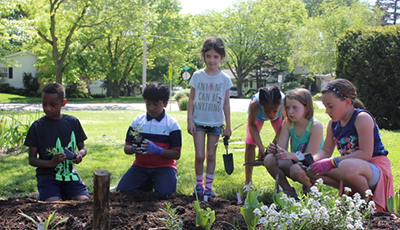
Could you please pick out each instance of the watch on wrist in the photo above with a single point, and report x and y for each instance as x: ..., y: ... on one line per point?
x: 300, y: 155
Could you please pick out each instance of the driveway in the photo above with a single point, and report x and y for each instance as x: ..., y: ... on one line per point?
x: 237, y: 105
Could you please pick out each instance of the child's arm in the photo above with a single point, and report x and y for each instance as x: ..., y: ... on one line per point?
x: 316, y: 135
x: 255, y: 134
x: 150, y: 148
x: 36, y: 162
x: 190, y: 124
x: 80, y: 153
x: 227, y: 112
x: 329, y: 144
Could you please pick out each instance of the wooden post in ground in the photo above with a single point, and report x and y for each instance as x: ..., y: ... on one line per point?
x: 101, y: 200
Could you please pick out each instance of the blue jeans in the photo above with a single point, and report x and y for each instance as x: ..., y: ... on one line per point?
x: 162, y: 180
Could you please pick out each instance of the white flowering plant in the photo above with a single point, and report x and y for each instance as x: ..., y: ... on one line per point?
x: 320, y: 209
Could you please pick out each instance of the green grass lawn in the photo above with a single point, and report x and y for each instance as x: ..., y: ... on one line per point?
x: 106, y: 136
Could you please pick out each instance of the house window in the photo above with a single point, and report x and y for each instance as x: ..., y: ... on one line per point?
x: 10, y: 73
x: 3, y: 72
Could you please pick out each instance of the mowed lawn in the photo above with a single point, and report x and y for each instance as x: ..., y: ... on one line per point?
x: 106, y: 132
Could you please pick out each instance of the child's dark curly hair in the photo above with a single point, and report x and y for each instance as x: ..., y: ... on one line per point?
x: 56, y: 88
x: 156, y: 91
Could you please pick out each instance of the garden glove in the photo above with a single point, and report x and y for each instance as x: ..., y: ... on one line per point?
x: 321, y: 167
x: 150, y: 147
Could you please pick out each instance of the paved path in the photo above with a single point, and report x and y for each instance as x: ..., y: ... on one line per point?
x: 237, y: 105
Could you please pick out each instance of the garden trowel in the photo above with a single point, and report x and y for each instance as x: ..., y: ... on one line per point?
x: 228, y: 158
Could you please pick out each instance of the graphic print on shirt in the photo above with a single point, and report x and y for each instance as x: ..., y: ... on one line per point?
x: 64, y: 170
x: 347, y: 145
x: 209, y: 97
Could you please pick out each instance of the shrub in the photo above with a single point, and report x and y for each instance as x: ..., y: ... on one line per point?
x: 98, y: 95
x: 77, y: 89
x: 291, y: 85
x: 183, y: 103
x: 370, y: 59
x: 181, y: 94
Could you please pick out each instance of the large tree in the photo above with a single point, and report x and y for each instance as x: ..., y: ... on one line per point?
x: 117, y: 54
x: 314, y: 42
x: 56, y: 22
x: 391, y: 9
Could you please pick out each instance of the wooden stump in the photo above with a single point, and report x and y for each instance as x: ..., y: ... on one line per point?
x: 101, y: 200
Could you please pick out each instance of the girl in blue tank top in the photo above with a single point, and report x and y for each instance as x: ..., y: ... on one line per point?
x: 305, y: 135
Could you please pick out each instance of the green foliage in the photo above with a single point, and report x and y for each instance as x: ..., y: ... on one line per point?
x: 48, y: 224
x: 204, y: 218
x: 290, y: 85
x: 14, y: 128
x: 77, y: 89
x: 31, y: 85
x: 317, y: 97
x: 172, y: 222
x: 183, y: 103
x: 370, y: 60
x: 250, y: 204
x: 182, y: 93
x: 393, y: 203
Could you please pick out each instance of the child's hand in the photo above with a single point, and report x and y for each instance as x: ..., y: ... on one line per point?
x: 78, y: 157
x: 150, y: 147
x: 271, y: 148
x: 136, y: 150
x: 261, y: 153
x: 191, y: 128
x: 321, y: 167
x: 284, y: 155
x: 57, y: 159
x: 227, y: 133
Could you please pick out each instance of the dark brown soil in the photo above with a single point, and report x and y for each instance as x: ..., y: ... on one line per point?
x: 139, y: 210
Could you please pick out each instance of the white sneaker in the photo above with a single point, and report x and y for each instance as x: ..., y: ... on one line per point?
x: 113, y: 189
x: 248, y: 187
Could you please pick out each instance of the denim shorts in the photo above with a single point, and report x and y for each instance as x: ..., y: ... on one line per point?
x: 63, y: 189
x: 376, y: 174
x: 217, y: 130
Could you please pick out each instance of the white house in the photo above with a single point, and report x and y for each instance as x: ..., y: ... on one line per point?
x: 16, y: 64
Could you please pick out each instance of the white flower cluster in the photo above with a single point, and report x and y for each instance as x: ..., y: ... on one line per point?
x: 319, y: 210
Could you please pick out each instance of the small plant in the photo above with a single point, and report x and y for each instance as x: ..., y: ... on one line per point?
x: 204, y: 218
x: 393, y: 203
x: 172, y: 221
x: 250, y: 205
x: 318, y: 210
x: 137, y: 137
x: 48, y: 224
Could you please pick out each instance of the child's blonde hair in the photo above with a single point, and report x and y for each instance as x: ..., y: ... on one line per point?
x: 304, y: 97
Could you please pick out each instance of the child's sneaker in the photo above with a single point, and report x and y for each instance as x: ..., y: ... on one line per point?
x: 291, y: 193
x: 248, y: 187
x: 199, y: 189
x: 209, y: 193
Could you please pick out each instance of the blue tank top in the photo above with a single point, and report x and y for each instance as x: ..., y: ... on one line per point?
x: 260, y: 114
x: 346, y: 138
x: 300, y: 143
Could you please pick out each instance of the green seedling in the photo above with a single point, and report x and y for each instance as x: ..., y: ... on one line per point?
x: 48, y: 224
x: 393, y: 203
x: 250, y: 204
x: 137, y: 137
x: 204, y: 218
x: 172, y: 221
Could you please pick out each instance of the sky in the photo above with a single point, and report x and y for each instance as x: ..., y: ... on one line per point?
x: 199, y: 6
